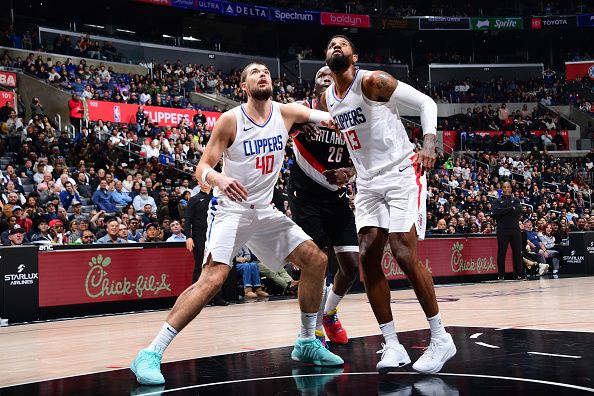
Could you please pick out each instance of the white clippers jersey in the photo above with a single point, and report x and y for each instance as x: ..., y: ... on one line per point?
x: 256, y: 155
x: 375, y: 135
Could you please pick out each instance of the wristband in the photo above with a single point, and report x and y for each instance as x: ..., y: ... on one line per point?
x: 205, y: 175
x: 317, y: 116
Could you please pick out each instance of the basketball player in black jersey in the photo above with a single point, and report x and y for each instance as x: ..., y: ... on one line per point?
x: 320, y: 206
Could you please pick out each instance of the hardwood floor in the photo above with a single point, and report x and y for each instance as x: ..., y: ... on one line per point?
x: 56, y: 349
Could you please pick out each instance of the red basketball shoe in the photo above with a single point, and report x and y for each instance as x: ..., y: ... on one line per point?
x: 334, y: 329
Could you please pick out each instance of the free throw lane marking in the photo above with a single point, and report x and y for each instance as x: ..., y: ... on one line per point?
x: 487, y: 345
x: 555, y: 355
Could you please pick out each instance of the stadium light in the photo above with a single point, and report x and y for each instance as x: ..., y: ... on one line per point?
x: 190, y: 38
x: 167, y: 36
x: 126, y: 31
x: 95, y: 26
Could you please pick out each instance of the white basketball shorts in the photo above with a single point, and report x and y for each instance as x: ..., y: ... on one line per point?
x: 270, y: 234
x: 394, y: 199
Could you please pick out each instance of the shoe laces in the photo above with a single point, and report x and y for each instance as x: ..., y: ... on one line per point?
x: 431, y: 349
x: 384, y: 349
x: 152, y: 360
x: 313, y: 347
x: 331, y: 318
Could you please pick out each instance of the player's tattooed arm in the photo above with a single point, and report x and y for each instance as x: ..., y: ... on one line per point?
x: 426, y: 156
x: 378, y: 86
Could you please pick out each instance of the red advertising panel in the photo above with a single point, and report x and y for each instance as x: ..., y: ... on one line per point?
x: 6, y: 96
x: 8, y: 79
x: 536, y: 23
x: 68, y: 277
x: 452, y: 138
x: 452, y: 257
x: 574, y: 70
x: 450, y: 141
x: 126, y: 113
x: 157, y: 2
x: 350, y: 20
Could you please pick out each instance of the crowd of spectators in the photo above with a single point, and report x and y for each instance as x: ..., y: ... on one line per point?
x: 552, y: 190
x: 518, y: 130
x: 59, y: 190
x: 548, y: 91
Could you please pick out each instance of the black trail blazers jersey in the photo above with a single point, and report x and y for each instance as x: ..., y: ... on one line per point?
x: 313, y: 156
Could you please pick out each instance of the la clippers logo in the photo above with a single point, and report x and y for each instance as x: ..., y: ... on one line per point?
x: 591, y: 72
x: 420, y: 220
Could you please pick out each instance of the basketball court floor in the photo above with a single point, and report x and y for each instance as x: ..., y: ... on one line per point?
x: 513, y: 338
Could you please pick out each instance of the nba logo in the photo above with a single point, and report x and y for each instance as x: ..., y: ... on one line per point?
x: 116, y: 113
x: 536, y: 23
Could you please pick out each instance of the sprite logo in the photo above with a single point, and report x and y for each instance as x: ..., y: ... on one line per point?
x: 505, y: 24
x: 497, y: 23
x: 98, y: 284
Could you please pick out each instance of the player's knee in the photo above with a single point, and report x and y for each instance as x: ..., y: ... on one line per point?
x: 351, y: 269
x: 405, y: 258
x: 320, y: 260
x: 316, y: 261
x: 367, y: 254
x: 212, y: 278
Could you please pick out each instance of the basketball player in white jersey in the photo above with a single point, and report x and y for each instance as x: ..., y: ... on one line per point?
x: 252, y: 139
x: 391, y: 191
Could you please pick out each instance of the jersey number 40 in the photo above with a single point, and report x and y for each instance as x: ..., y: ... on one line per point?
x: 266, y: 164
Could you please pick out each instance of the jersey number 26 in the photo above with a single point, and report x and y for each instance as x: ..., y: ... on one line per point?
x: 335, y: 154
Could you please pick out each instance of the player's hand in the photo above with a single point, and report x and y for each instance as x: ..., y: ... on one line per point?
x: 338, y: 176
x: 426, y: 157
x: 309, y: 130
x: 190, y: 244
x: 332, y: 125
x: 231, y: 187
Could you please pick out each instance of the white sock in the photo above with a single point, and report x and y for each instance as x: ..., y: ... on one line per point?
x: 389, y: 332
x: 320, y: 317
x: 437, y: 329
x: 332, y: 301
x: 163, y: 339
x: 308, y: 325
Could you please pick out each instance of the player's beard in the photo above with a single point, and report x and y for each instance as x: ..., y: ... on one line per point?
x: 337, y: 63
x: 261, y: 93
